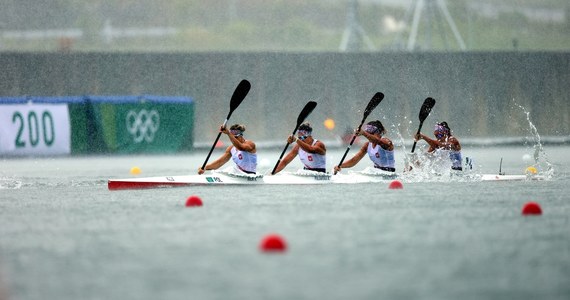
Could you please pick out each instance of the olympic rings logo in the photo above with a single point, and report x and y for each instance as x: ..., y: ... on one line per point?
x: 143, y: 125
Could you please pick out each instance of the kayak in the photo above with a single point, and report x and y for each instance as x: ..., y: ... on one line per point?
x: 230, y: 178
x: 502, y: 177
x: 301, y: 177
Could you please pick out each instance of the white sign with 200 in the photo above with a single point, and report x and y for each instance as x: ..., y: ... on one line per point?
x: 34, y: 129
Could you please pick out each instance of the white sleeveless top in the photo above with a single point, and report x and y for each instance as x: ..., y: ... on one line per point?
x: 449, y: 156
x: 312, y: 160
x: 380, y: 157
x: 456, y: 159
x: 244, y: 160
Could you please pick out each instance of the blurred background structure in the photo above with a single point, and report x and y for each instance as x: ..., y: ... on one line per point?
x: 436, y: 12
x: 293, y: 25
x: 479, y: 59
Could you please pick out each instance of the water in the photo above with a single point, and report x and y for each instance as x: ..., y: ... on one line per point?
x: 63, y: 235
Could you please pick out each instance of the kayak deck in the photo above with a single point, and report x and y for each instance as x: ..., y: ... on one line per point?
x: 215, y: 178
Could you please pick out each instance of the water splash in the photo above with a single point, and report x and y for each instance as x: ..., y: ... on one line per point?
x: 537, y: 145
x: 434, y: 167
x: 10, y: 183
x: 401, y: 141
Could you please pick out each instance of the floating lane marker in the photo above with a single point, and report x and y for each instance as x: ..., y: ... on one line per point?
x: 273, y: 243
x: 193, y: 201
x: 395, y: 185
x: 135, y: 170
x: 531, y: 209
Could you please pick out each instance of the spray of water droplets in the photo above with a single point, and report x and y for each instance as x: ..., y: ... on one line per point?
x: 539, y: 152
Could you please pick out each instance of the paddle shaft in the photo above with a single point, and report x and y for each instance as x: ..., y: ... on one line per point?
x: 282, y: 154
x: 237, y: 97
x: 309, y: 107
x: 215, y: 142
x: 419, y: 130
x: 376, y: 99
x: 351, y: 142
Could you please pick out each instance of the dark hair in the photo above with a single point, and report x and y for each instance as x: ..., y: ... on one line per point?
x: 239, y: 127
x: 378, y: 125
x: 444, y: 124
x: 306, y: 126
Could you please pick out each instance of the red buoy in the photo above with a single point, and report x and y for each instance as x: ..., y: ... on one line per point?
x: 193, y: 201
x: 396, y: 184
x: 531, y: 208
x: 273, y: 243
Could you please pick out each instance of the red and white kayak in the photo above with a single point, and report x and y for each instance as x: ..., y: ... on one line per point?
x: 222, y: 178
x: 298, y: 178
x: 217, y: 178
x: 177, y: 181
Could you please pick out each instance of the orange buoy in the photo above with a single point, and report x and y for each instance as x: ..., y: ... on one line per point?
x: 273, y: 243
x: 135, y: 170
x: 530, y: 171
x: 329, y: 124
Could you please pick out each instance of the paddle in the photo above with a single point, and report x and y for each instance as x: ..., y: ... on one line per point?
x: 302, y: 116
x: 424, y: 113
x: 376, y: 99
x: 239, y: 94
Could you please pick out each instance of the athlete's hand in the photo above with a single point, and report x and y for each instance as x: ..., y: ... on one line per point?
x: 291, y: 139
x: 337, y: 169
x: 224, y: 130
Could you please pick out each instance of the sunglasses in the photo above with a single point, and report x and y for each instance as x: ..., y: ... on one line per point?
x: 236, y: 133
x: 371, y: 129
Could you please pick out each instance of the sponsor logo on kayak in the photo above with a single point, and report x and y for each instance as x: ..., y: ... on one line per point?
x: 322, y: 177
x: 213, y: 179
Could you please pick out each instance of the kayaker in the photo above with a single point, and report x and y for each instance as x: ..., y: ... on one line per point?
x: 242, y: 152
x: 380, y: 149
x: 444, y: 141
x: 311, y: 151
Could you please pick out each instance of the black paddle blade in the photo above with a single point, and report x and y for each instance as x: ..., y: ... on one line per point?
x: 376, y: 99
x: 426, y: 108
x: 239, y: 94
x: 309, y: 107
x: 424, y: 113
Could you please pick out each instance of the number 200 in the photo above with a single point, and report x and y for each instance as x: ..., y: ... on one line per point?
x: 47, y: 128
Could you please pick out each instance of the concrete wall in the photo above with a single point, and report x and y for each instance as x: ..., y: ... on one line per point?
x: 477, y: 93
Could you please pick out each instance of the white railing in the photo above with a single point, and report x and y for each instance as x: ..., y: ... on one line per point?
x: 42, y: 34
x: 108, y: 33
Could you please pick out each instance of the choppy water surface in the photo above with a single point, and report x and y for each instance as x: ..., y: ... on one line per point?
x: 63, y: 235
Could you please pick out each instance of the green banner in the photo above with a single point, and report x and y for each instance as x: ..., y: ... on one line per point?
x: 145, y: 125
x: 96, y: 124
